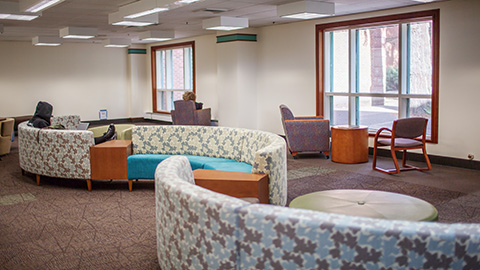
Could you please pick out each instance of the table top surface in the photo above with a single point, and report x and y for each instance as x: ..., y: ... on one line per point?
x: 114, y: 144
x: 368, y: 203
x: 349, y: 127
x: 226, y: 175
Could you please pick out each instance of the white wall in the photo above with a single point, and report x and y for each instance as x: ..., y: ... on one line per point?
x: 74, y: 78
x: 84, y: 78
x: 287, y: 73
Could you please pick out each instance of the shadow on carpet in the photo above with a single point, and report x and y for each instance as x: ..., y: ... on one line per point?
x: 452, y: 206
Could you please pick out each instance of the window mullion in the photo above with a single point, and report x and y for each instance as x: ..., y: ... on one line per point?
x: 353, y: 83
x: 404, y: 66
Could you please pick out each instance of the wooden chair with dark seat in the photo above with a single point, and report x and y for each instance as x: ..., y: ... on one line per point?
x: 406, y: 134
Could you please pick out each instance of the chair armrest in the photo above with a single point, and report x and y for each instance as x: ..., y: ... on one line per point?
x: 308, y: 117
x: 204, y: 116
x: 380, y: 131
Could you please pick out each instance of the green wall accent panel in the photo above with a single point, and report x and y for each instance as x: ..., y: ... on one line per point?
x: 137, y: 51
x: 237, y: 37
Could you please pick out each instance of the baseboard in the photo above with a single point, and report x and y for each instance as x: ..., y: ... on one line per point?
x: 134, y: 120
x: 440, y: 160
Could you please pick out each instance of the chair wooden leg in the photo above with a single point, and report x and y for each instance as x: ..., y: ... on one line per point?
x: 294, y: 154
x: 395, y: 161
x: 37, y: 177
x: 327, y: 154
x: 130, y: 184
x: 404, y: 158
x: 427, y: 160
x: 89, y: 184
x: 374, y: 161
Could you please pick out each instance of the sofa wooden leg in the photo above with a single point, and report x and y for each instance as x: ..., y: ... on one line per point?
x: 37, y: 177
x: 130, y: 184
x: 89, y: 184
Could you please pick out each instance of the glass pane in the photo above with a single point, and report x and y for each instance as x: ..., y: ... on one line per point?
x: 166, y: 99
x: 160, y: 69
x: 339, y: 64
x: 377, y: 112
x: 377, y: 59
x: 177, y: 68
x: 419, y: 107
x: 339, y: 111
x: 420, y: 60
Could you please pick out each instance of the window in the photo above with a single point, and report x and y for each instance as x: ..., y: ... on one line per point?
x: 172, y: 74
x: 379, y: 69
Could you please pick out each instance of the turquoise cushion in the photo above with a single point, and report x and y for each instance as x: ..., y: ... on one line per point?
x: 229, y: 166
x: 142, y: 166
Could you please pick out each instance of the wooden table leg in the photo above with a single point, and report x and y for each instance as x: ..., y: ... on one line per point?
x: 130, y: 184
x: 89, y: 184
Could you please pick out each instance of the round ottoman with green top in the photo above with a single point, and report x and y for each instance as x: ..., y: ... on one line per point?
x: 368, y: 203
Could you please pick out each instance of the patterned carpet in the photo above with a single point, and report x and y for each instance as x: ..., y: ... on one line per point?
x: 452, y: 206
x: 60, y: 225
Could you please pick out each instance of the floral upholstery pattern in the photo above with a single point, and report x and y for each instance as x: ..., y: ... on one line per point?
x: 68, y: 121
x: 30, y: 150
x: 288, y: 238
x: 266, y: 152
x: 56, y: 153
x: 275, y: 237
x: 196, y: 227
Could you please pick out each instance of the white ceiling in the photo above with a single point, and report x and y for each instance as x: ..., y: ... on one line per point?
x: 186, y: 20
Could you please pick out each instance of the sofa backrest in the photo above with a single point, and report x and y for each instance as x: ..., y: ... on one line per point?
x: 70, y: 122
x: 275, y: 237
x: 304, y: 239
x: 188, y: 140
x: 265, y: 151
x: 196, y: 227
x: 55, y: 152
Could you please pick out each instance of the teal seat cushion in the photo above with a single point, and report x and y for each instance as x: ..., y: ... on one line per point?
x: 234, y: 166
x: 142, y: 166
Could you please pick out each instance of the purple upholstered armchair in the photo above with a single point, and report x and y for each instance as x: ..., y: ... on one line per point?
x: 186, y: 114
x: 305, y: 134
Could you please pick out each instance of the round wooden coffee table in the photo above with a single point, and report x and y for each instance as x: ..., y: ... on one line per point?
x: 349, y: 144
x: 368, y: 203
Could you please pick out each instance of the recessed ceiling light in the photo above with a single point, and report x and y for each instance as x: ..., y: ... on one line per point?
x: 117, y: 43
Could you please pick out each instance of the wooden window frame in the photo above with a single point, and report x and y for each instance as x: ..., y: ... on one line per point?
x: 153, y: 50
x: 434, y: 15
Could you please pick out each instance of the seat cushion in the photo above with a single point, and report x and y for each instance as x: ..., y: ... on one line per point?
x: 231, y: 166
x: 142, y: 166
x: 400, y: 142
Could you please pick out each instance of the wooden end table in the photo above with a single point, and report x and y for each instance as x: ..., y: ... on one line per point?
x: 108, y: 161
x: 349, y: 144
x: 236, y: 184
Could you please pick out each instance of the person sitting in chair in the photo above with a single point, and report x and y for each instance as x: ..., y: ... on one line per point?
x: 191, y: 96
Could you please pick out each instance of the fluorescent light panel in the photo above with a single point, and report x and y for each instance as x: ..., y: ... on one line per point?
x: 306, y: 10
x: 117, y: 18
x: 78, y: 32
x: 156, y: 35
x: 144, y: 7
x: 18, y: 17
x: 46, y: 41
x: 117, y: 42
x: 223, y: 23
x: 11, y: 11
x: 37, y: 5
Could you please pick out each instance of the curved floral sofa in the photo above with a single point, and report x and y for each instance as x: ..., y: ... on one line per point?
x: 215, y: 148
x: 201, y: 229
x: 55, y: 152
